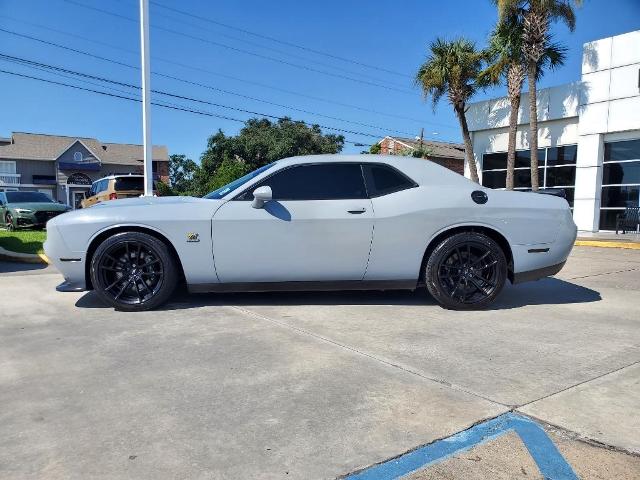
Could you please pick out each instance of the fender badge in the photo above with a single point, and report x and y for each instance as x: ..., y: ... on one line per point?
x: 193, y: 237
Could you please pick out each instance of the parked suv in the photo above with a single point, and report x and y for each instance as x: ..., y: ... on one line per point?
x: 114, y: 187
x: 27, y: 209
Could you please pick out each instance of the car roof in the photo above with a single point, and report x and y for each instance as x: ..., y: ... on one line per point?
x: 419, y: 169
x: 126, y: 175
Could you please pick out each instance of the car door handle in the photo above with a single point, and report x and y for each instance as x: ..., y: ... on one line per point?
x: 357, y: 211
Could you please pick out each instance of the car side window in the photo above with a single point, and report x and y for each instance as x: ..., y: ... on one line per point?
x: 334, y: 181
x: 3, y: 199
x: 384, y: 179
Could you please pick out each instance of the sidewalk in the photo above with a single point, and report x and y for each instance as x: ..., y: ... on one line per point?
x: 609, y: 240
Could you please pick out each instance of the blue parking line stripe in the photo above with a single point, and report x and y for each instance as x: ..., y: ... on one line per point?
x: 547, y: 457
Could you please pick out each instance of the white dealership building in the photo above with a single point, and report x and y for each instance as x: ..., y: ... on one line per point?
x: 589, y: 135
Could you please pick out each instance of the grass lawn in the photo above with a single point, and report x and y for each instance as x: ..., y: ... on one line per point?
x: 23, y: 241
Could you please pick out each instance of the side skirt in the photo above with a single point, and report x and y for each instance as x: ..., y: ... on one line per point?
x: 304, y: 286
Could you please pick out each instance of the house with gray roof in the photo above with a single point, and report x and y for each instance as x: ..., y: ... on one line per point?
x: 65, y: 167
x: 450, y: 155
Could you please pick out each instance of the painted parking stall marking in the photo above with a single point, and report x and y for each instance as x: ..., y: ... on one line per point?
x: 550, y: 462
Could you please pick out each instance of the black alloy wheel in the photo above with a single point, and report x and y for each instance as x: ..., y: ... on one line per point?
x: 466, y: 271
x: 8, y: 222
x: 133, y: 271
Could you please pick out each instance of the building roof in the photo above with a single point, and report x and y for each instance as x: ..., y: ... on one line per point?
x: 37, y: 146
x: 436, y: 149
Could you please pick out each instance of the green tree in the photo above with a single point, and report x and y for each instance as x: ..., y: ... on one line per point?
x: 375, y: 148
x: 536, y: 17
x: 228, y: 171
x: 260, y: 142
x: 181, y: 173
x: 507, y: 62
x: 452, y: 69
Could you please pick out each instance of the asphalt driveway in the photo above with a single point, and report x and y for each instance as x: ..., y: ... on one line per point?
x: 307, y: 385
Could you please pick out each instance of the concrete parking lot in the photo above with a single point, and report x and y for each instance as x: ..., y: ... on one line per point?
x: 317, y: 385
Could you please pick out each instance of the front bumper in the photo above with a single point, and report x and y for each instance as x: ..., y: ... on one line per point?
x: 35, y: 219
x: 70, y: 264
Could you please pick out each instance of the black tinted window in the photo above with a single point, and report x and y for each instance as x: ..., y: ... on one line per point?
x: 494, y: 161
x: 614, y: 173
x: 616, y: 151
x: 562, y: 155
x: 129, y: 183
x: 316, y: 182
x: 382, y: 180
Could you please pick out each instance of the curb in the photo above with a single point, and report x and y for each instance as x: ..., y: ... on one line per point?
x: 23, y: 257
x: 608, y: 244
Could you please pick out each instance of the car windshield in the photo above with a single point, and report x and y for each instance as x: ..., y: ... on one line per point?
x: 27, y: 197
x: 222, y: 191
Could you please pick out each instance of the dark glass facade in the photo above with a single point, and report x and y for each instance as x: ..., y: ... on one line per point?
x: 620, y: 180
x: 557, y: 169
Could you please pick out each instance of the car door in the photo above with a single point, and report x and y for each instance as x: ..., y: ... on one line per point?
x: 317, y: 227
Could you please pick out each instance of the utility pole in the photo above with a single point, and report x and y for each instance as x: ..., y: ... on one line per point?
x: 146, y: 98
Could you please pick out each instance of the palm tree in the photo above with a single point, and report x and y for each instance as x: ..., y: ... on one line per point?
x: 536, y: 17
x: 507, y: 61
x: 452, y: 69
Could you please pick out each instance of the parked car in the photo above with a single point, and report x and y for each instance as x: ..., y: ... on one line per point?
x: 330, y: 222
x: 27, y: 209
x: 114, y: 187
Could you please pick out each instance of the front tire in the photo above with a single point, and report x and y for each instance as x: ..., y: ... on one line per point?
x: 8, y: 221
x: 466, y: 271
x: 133, y: 271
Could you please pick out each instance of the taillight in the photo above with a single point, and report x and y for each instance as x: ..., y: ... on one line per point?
x: 113, y: 196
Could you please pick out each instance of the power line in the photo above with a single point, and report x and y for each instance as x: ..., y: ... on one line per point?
x: 277, y: 40
x: 276, y: 50
x: 209, y: 72
x: 386, y: 130
x: 53, y: 67
x: 248, y: 52
x: 41, y: 65
x: 174, y: 106
x: 169, y: 94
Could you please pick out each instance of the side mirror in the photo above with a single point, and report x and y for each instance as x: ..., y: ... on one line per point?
x: 261, y: 196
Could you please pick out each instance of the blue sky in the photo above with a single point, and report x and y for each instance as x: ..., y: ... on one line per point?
x: 391, y: 35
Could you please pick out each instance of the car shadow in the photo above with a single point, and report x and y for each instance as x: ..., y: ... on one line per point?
x: 548, y: 291
x: 7, y: 266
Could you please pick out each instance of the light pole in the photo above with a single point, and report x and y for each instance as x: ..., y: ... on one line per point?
x: 146, y: 98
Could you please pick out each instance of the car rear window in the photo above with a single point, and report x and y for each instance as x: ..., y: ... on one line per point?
x: 383, y: 180
x: 129, y: 183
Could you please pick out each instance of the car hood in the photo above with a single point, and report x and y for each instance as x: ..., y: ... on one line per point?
x: 40, y: 206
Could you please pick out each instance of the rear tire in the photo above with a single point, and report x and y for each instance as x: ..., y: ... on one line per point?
x: 133, y: 271
x: 466, y: 271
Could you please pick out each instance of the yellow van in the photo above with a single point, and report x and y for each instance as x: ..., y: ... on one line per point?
x: 114, y: 187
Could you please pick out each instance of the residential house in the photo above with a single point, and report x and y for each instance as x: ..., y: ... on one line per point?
x: 450, y: 155
x: 64, y: 167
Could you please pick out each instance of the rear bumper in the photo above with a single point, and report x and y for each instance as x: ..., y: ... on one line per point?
x: 537, y: 274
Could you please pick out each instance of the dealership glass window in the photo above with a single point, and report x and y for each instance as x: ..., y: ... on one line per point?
x: 620, y: 180
x: 557, y: 169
